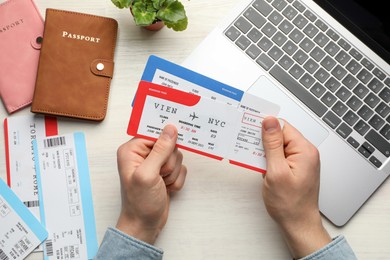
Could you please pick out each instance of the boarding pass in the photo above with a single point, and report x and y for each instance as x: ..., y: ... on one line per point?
x: 19, y: 132
x: 169, y: 74
x: 20, y: 231
x: 205, y: 126
x: 65, y: 197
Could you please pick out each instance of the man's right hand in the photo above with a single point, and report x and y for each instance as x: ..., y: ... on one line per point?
x: 291, y: 187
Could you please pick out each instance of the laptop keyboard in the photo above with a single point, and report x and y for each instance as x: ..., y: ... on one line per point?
x: 323, y: 70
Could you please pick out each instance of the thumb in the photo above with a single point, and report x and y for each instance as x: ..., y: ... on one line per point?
x: 162, y: 149
x: 272, y: 136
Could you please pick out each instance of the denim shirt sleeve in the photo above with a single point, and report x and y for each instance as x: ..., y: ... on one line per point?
x: 337, y: 249
x: 118, y: 245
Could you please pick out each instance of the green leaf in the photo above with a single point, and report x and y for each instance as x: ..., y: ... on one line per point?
x: 146, y: 12
x: 168, y: 2
x: 157, y: 4
x: 142, y: 16
x: 172, y: 12
x: 121, y: 3
x: 180, y: 25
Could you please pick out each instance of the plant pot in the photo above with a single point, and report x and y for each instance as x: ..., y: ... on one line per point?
x: 155, y: 26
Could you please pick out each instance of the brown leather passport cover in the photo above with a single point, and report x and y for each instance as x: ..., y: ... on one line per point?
x: 76, y: 65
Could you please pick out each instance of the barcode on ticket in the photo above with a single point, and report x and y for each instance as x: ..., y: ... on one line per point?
x: 31, y: 203
x: 53, y: 142
x: 3, y: 256
x: 49, y: 247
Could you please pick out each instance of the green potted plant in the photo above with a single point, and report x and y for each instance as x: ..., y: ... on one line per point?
x: 151, y: 12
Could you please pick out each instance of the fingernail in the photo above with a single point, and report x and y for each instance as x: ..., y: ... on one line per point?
x: 169, y: 132
x: 270, y: 124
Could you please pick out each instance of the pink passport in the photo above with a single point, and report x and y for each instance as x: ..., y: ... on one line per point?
x: 21, y: 30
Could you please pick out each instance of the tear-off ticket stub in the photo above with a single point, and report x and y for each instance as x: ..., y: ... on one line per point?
x: 205, y: 126
x: 19, y: 132
x: 20, y: 231
x: 65, y: 197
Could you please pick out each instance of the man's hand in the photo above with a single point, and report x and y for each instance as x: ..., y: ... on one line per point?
x: 148, y: 171
x: 291, y: 187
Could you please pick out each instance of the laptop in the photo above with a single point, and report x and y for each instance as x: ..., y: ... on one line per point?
x: 326, y: 63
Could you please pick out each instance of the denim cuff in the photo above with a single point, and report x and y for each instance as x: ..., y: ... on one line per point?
x: 337, y: 249
x: 118, y: 245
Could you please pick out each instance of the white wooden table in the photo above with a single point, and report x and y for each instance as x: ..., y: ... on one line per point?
x: 219, y: 214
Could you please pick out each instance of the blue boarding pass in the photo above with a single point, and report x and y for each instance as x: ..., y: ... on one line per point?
x: 165, y: 73
x: 20, y: 231
x: 162, y: 72
x: 65, y: 197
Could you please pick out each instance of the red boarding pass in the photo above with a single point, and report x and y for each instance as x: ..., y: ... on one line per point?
x: 205, y: 126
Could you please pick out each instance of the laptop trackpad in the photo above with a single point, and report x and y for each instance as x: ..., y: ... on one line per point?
x: 290, y: 110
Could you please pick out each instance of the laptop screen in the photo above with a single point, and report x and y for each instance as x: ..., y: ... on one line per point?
x: 364, y: 18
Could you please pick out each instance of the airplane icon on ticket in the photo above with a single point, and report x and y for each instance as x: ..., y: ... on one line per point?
x: 193, y: 116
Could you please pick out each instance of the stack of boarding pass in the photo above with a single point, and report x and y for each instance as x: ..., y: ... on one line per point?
x: 47, y: 205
